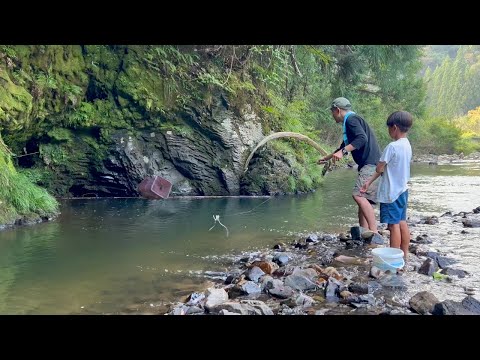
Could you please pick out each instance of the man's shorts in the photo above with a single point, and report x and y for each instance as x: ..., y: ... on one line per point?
x: 365, y: 173
x: 394, y: 212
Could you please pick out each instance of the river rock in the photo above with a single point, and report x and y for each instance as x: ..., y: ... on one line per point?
x: 281, y: 292
x: 195, y: 298
x: 471, y: 223
x: 194, y: 310
x: 428, y: 267
x: 358, y: 288
x: 468, y: 306
x: 312, y: 238
x: 356, y: 232
x: 423, y: 239
x: 268, y: 267
x: 457, y: 272
x: 215, y: 297
x: 254, y: 274
x: 244, y: 307
x: 281, y: 259
x: 300, y: 282
x: 423, y: 302
x: 431, y: 220
x: 443, y: 262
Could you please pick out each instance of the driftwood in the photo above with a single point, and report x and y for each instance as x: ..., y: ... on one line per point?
x: 279, y: 135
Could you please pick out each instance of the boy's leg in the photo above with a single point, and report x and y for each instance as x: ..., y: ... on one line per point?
x: 404, y: 230
x: 394, y: 214
x: 405, y: 238
x: 395, y: 235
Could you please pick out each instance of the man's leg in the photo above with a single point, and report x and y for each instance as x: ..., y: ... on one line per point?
x: 361, y: 219
x: 366, y: 214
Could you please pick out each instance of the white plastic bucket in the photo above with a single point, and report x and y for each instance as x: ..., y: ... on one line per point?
x: 388, y: 258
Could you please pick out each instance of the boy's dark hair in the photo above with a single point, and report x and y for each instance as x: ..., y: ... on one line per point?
x: 402, y: 119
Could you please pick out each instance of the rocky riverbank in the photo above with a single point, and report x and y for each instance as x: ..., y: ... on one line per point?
x: 333, y: 274
x: 445, y: 159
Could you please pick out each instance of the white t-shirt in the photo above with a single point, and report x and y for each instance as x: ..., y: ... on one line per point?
x: 393, y: 182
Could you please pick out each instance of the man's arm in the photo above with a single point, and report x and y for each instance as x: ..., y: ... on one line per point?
x: 360, y: 137
x: 328, y: 157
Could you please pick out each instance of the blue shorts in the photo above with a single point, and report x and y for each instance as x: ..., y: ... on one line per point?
x: 394, y: 212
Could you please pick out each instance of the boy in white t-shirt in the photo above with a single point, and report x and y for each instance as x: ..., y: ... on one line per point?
x: 394, y: 169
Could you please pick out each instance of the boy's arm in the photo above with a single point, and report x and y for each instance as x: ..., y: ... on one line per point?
x: 378, y: 172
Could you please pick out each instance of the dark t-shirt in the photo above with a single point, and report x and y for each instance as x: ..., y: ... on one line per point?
x: 363, y: 138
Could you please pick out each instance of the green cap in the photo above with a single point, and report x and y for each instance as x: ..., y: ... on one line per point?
x: 341, y: 103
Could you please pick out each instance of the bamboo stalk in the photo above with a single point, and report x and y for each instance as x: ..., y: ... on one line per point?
x: 279, y: 135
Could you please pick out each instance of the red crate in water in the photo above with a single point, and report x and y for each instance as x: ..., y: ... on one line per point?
x: 155, y: 187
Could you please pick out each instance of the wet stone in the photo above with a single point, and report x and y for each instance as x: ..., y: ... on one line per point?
x: 423, y: 302
x: 377, y: 239
x: 254, y: 274
x: 281, y: 259
x: 428, y: 267
x: 194, y: 310
x: 358, y: 288
x: 195, y: 298
x: 279, y: 247
x: 312, y: 238
x: 443, y: 262
x: 356, y: 232
x: 343, y: 237
x: 250, y: 288
x: 393, y: 282
x: 471, y: 223
x: 422, y: 239
x: 281, y: 292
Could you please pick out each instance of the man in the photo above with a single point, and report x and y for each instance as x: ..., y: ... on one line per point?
x: 360, y: 140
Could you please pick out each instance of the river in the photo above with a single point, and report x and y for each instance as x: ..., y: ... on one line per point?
x: 108, y: 256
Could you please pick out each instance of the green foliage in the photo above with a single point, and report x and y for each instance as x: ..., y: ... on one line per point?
x: 467, y: 144
x: 54, y: 155
x: 177, y: 129
x: 41, y: 177
x: 60, y: 134
x: 292, y: 184
x: 29, y: 198
x: 19, y: 196
x: 434, y: 136
x: 454, y: 86
x: 8, y: 51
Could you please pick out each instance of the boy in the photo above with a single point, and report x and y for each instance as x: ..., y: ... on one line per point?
x: 394, y: 169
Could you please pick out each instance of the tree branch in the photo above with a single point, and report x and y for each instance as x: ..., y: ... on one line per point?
x: 294, y: 61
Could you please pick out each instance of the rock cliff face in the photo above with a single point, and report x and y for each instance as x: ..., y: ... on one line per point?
x: 205, y: 161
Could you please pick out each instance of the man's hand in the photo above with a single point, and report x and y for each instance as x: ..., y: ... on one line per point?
x: 337, y: 156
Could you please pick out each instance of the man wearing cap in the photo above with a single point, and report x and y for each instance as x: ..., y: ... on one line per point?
x: 360, y: 140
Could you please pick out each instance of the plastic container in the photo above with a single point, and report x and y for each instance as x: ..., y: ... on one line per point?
x: 388, y: 258
x: 155, y: 187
